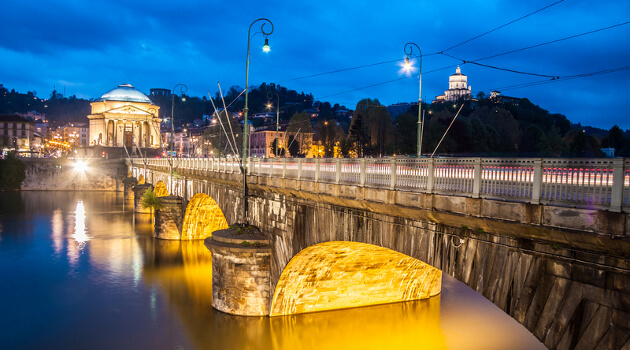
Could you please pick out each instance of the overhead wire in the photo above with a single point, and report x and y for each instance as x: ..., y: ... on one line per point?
x: 501, y: 26
x: 488, y: 57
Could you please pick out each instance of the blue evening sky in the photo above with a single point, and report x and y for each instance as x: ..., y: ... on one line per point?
x: 90, y: 47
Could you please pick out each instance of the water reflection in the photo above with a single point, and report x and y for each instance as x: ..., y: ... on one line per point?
x: 80, y: 232
x: 124, y: 289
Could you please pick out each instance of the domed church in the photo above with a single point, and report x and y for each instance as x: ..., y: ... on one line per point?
x: 124, y: 117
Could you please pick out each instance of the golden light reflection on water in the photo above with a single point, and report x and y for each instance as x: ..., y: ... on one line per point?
x: 408, y: 325
x: 182, y: 272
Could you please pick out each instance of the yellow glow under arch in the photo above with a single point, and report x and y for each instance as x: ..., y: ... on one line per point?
x: 160, y: 189
x: 203, y: 216
x: 141, y: 180
x: 130, y: 174
x: 337, y: 275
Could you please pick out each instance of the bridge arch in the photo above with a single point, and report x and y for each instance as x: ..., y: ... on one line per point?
x: 141, y: 179
x: 160, y: 189
x: 203, y: 216
x: 339, y: 274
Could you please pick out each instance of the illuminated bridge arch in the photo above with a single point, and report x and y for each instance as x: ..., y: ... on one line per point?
x: 160, y: 189
x: 141, y: 179
x: 337, y: 275
x: 203, y: 216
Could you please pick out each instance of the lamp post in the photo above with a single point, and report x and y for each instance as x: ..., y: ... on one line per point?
x: 277, y: 117
x: 182, y: 89
x: 245, y: 110
x: 409, y: 51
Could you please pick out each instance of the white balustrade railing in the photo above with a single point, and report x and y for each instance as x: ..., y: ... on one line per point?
x: 585, y: 183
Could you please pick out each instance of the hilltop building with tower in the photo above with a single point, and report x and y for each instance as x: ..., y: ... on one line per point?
x: 457, y: 88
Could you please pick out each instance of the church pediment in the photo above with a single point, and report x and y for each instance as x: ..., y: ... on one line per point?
x: 129, y: 109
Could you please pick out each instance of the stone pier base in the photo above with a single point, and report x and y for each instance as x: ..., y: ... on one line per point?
x: 138, y: 191
x: 168, y: 220
x: 240, y: 271
x: 128, y: 184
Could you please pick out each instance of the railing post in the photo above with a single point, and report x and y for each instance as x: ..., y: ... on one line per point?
x: 538, y: 179
x: 259, y: 160
x: 362, y: 174
x: 316, y: 169
x: 338, y: 171
x: 284, y: 168
x: 430, y: 174
x: 392, y: 173
x: 477, y: 178
x: 299, y: 170
x: 616, y: 193
x: 270, y: 167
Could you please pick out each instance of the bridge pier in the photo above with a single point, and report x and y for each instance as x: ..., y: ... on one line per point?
x: 168, y: 220
x: 138, y: 191
x: 128, y: 184
x: 241, y: 276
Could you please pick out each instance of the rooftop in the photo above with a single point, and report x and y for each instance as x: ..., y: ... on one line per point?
x: 125, y: 93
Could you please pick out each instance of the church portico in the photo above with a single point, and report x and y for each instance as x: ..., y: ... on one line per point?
x: 124, y: 117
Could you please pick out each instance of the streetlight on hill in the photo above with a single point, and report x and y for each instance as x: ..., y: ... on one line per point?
x: 245, y: 110
x: 409, y: 52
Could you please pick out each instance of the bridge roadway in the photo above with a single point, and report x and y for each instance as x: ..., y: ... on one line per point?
x: 546, y: 240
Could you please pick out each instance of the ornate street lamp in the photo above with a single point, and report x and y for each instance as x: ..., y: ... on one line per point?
x: 277, y: 117
x: 182, y: 89
x: 409, y: 52
x: 245, y: 110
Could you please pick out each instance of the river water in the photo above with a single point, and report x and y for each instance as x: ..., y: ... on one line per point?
x: 81, y: 271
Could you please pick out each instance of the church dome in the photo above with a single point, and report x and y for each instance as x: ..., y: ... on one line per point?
x: 125, y: 93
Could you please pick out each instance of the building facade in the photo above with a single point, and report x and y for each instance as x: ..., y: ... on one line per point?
x: 16, y: 133
x: 261, y: 142
x: 124, y: 117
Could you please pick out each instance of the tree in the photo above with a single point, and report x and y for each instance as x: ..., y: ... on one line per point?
x: 377, y: 123
x: 150, y: 200
x: 281, y: 151
x: 329, y: 133
x: 294, y: 147
x: 614, y: 138
x: 359, y: 136
x: 533, y: 140
x: 301, y: 130
x: 12, y: 173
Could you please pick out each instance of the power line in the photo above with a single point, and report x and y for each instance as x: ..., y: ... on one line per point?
x: 431, y: 54
x: 480, y: 59
x: 499, y: 68
x: 554, y: 41
x: 504, y: 25
x: 346, y: 69
x: 561, y: 78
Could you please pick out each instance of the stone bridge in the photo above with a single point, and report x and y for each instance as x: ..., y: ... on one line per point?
x: 561, y: 271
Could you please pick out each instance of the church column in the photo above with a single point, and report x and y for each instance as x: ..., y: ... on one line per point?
x: 137, y: 129
x: 143, y: 134
x: 106, y: 132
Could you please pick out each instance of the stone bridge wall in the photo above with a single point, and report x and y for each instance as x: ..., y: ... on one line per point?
x: 44, y: 174
x: 569, y: 287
